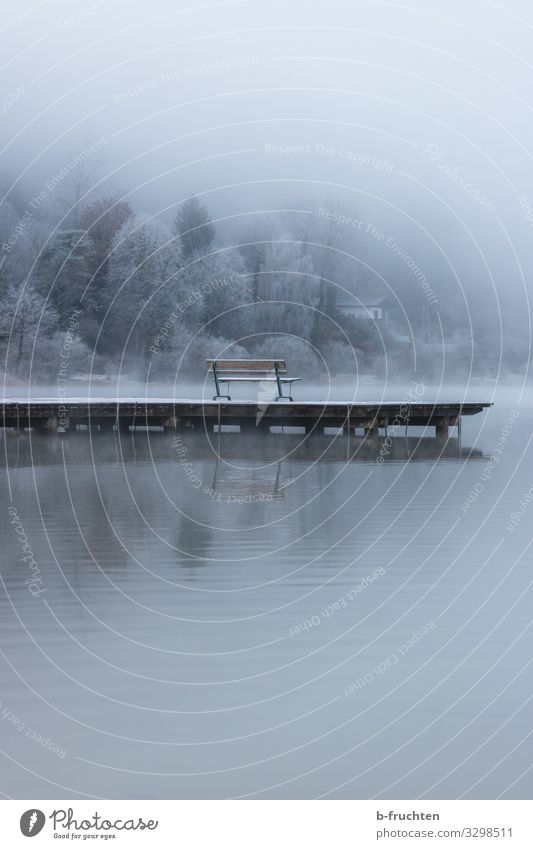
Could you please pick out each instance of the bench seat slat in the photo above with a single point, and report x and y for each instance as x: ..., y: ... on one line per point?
x: 256, y: 379
x: 257, y: 375
x: 245, y: 368
x: 253, y: 365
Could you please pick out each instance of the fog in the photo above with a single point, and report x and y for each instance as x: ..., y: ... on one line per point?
x: 344, y: 186
x: 413, y: 122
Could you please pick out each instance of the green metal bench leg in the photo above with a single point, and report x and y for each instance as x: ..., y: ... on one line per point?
x: 280, y: 389
x: 280, y: 394
x: 217, y: 387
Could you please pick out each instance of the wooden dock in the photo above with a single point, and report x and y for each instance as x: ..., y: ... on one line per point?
x: 104, y: 414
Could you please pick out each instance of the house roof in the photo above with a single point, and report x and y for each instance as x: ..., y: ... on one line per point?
x: 362, y: 302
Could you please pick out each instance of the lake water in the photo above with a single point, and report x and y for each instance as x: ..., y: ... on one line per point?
x: 204, y: 617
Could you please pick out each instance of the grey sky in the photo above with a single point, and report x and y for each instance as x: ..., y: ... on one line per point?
x: 418, y: 116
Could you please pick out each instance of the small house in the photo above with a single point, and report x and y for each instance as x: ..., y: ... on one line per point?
x: 372, y: 309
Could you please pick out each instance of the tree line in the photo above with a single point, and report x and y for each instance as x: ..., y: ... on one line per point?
x: 158, y: 299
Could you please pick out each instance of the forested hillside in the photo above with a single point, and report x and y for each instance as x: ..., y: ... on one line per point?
x: 153, y: 296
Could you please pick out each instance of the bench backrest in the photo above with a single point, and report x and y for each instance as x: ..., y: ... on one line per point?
x: 246, y: 368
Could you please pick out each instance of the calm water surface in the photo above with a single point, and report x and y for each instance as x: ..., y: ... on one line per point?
x: 267, y: 618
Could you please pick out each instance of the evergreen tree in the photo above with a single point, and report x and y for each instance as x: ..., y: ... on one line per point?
x: 138, y: 298
x: 194, y: 228
x: 102, y: 220
x: 62, y: 271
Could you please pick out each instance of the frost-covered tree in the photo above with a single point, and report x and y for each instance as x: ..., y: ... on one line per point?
x: 102, y: 220
x: 62, y: 271
x: 25, y: 322
x: 9, y: 220
x: 138, y: 297
x: 194, y: 227
x: 289, y: 289
x: 329, y: 238
x: 253, y: 248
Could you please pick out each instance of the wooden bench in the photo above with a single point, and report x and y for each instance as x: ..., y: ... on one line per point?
x: 250, y: 371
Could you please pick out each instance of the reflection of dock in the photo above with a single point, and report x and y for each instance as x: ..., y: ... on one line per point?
x: 248, y: 416
x: 27, y: 449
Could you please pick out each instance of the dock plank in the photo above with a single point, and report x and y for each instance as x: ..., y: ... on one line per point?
x: 46, y: 412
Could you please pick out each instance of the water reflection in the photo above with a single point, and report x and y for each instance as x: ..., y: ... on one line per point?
x: 195, y: 641
x: 30, y: 448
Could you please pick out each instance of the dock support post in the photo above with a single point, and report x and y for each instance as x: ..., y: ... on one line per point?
x: 372, y: 435
x: 348, y: 433
x: 51, y: 425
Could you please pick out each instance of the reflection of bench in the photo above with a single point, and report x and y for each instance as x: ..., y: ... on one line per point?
x: 245, y: 485
x: 250, y: 371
